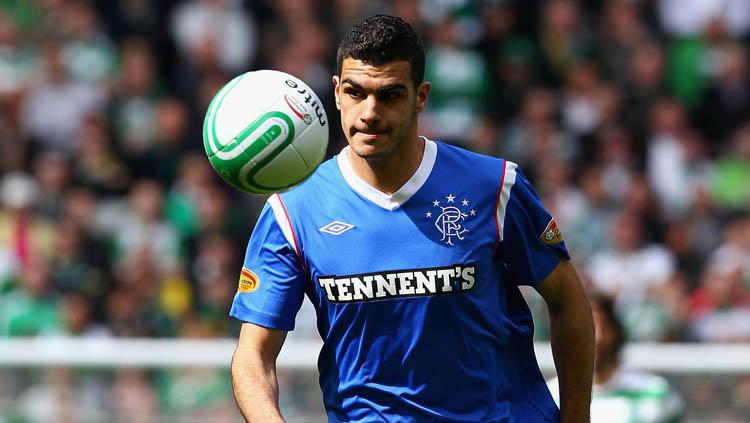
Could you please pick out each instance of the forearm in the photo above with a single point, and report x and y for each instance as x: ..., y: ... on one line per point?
x: 256, y: 389
x: 572, y: 331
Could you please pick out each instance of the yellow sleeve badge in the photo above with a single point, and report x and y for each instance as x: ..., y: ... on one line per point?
x: 249, y: 281
x: 551, y: 234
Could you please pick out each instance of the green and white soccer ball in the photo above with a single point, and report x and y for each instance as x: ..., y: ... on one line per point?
x: 265, y: 131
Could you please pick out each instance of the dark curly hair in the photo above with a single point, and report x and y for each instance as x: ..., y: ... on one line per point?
x: 381, y: 39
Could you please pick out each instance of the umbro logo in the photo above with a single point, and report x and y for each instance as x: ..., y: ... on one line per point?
x: 336, y: 227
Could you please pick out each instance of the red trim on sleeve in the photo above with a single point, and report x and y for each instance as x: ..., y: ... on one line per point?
x: 294, y: 235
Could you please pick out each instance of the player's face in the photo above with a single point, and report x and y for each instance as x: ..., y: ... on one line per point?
x: 379, y: 106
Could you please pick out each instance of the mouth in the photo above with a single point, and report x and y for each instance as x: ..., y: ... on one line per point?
x: 368, y: 134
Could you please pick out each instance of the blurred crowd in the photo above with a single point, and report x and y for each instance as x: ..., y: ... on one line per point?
x: 630, y: 117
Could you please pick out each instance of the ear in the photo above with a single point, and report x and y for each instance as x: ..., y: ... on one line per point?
x: 423, y: 91
x: 336, y: 84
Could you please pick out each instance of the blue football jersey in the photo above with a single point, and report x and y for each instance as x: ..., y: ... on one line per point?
x: 416, y: 293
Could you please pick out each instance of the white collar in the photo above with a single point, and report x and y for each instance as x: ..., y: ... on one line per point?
x: 395, y: 200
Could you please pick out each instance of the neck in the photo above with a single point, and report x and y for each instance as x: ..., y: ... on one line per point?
x: 388, y: 174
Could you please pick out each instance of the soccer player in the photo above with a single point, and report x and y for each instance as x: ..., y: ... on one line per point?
x: 622, y: 395
x: 411, y: 252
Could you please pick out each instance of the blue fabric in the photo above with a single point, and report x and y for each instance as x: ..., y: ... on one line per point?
x: 418, y: 307
x: 528, y: 258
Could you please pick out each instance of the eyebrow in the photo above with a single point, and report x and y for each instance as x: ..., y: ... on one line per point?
x: 387, y: 88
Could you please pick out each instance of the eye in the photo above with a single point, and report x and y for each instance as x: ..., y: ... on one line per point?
x: 389, y: 96
x: 353, y: 93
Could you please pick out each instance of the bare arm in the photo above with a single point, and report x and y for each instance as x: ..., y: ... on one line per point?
x: 256, y: 388
x: 572, y: 330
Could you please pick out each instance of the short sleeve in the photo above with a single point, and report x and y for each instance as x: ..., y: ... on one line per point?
x: 532, y: 244
x: 271, y: 282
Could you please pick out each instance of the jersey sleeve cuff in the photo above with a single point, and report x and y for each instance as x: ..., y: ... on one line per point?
x: 547, y: 266
x: 261, y: 319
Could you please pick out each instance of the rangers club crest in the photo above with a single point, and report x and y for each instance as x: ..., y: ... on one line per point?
x: 450, y: 217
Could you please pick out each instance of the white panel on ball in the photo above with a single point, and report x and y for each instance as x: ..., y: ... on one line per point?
x: 265, y: 131
x: 285, y: 169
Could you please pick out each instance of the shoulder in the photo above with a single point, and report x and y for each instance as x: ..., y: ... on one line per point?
x: 481, y: 167
x: 453, y: 152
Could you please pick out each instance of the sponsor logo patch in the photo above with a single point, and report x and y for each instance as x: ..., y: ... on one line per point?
x: 298, y: 108
x: 336, y: 228
x: 399, y: 283
x: 249, y: 281
x: 551, y: 234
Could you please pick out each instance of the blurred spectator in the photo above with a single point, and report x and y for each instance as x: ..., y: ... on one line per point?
x: 730, y: 188
x: 622, y: 32
x: 97, y: 166
x: 53, y: 111
x: 51, y: 399
x: 622, y: 395
x: 584, y: 213
x: 609, y: 268
x: 644, y: 83
x: 19, y: 63
x: 170, y: 141
x: 734, y: 252
x: 134, y: 100
x: 24, y: 236
x: 181, y: 204
x: 563, y: 38
x: 681, y: 237
x: 719, y: 310
x: 78, y: 317
x: 677, y: 162
x: 78, y: 263
x: 725, y: 103
x: 614, y: 154
x: 32, y: 309
x: 460, y: 78
x: 143, y: 230
x: 88, y: 54
x: 127, y: 18
x: 613, y: 269
x: 215, y: 32
x: 690, y: 17
x: 534, y: 135
x: 214, y: 275
x: 306, y: 55
x: 515, y: 69
x: 581, y: 102
x: 52, y: 171
x: 132, y: 395
x: 198, y: 392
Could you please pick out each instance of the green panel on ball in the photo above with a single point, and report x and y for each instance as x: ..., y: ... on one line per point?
x: 210, y: 118
x: 231, y: 169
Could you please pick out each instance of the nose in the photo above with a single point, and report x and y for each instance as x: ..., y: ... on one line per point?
x: 370, y: 115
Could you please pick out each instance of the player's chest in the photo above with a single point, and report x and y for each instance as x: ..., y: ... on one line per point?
x: 429, y: 245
